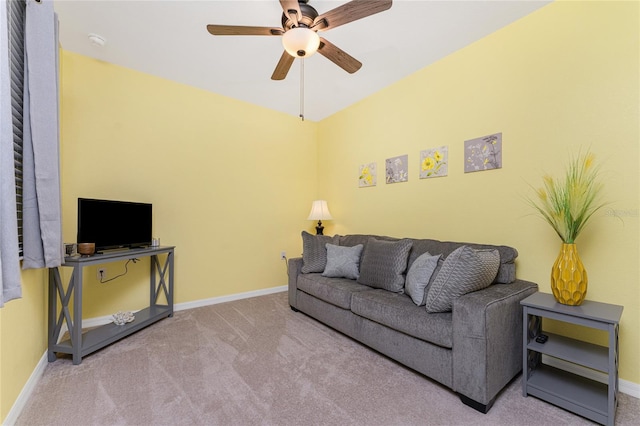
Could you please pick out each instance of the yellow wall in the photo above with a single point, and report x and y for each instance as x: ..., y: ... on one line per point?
x: 231, y: 183
x: 562, y: 79
x: 23, y: 337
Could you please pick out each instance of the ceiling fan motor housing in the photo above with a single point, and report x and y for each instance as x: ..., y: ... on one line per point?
x: 308, y: 15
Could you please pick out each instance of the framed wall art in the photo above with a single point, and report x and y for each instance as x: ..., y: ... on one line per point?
x: 397, y: 169
x: 483, y: 153
x: 368, y: 175
x: 433, y: 162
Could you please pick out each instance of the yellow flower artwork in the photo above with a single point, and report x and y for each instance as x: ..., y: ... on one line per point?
x: 368, y: 175
x: 433, y: 162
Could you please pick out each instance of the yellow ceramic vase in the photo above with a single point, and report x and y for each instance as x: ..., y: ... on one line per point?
x: 568, y: 277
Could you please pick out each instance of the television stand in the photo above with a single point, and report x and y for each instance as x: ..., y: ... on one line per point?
x: 79, y: 343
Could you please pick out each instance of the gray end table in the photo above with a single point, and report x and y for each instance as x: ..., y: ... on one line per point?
x: 589, y: 398
x: 69, y: 299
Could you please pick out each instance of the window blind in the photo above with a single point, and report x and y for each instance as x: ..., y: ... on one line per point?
x: 16, y: 16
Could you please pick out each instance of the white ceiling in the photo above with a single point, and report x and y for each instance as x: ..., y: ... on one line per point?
x: 168, y: 38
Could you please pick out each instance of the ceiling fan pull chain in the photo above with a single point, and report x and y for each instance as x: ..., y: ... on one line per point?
x: 302, y: 88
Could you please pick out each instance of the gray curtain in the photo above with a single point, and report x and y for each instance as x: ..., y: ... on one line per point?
x: 9, y: 262
x: 42, y: 226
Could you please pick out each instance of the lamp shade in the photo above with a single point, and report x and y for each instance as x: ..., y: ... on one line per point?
x: 300, y: 42
x: 319, y: 211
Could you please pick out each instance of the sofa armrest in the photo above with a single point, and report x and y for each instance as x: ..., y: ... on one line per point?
x: 487, y: 339
x: 294, y: 268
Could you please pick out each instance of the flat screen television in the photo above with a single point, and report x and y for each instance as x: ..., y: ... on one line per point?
x: 114, y: 224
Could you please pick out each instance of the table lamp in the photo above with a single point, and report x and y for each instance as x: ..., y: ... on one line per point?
x: 319, y: 212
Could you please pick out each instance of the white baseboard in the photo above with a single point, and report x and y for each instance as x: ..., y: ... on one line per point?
x: 629, y: 388
x: 232, y: 297
x: 26, y: 392
x: 97, y: 321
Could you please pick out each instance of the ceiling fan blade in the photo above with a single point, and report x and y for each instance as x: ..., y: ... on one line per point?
x: 283, y: 66
x: 221, y: 30
x: 349, y: 12
x: 291, y: 9
x: 338, y: 56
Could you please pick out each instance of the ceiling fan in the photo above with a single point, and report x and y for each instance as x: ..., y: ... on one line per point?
x: 300, y: 25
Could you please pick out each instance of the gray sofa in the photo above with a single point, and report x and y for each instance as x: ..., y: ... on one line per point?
x: 471, y: 343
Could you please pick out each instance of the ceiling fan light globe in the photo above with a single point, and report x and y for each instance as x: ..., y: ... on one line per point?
x: 301, y: 42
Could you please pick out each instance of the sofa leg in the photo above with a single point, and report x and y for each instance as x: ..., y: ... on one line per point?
x: 293, y: 309
x: 483, y: 408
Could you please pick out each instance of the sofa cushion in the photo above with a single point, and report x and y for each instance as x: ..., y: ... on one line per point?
x: 343, y: 262
x: 384, y: 263
x: 355, y: 239
x: 336, y: 291
x: 314, y: 252
x: 506, y: 273
x: 397, y: 311
x: 463, y: 271
x: 420, y: 275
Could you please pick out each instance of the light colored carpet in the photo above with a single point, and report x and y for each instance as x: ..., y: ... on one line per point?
x: 256, y: 362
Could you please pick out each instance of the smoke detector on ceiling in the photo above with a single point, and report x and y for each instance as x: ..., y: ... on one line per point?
x: 97, y: 40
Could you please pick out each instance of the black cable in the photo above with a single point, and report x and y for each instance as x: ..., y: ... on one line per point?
x: 126, y: 269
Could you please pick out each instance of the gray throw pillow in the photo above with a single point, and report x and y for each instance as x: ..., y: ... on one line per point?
x: 419, y: 276
x: 384, y: 263
x: 314, y: 252
x: 463, y: 271
x: 343, y: 262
